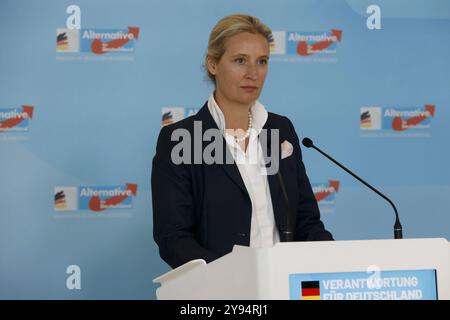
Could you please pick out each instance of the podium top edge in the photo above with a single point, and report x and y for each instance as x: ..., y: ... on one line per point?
x: 188, y: 266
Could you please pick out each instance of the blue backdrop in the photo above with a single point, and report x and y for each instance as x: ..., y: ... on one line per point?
x: 80, y: 112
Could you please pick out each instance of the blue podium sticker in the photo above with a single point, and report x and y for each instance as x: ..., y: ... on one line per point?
x: 372, y: 285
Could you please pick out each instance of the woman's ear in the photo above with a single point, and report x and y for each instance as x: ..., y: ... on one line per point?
x: 211, y: 65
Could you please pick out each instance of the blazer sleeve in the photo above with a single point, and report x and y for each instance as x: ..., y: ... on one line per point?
x: 309, y: 227
x: 174, y: 207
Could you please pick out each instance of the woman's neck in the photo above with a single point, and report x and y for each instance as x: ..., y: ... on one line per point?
x: 236, y: 115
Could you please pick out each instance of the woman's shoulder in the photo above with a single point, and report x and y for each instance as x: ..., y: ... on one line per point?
x: 275, y: 120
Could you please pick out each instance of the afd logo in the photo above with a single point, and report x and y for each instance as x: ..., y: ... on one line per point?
x: 325, y: 192
x: 397, y: 119
x: 97, y: 41
x: 94, y: 198
x: 15, y: 119
x: 305, y: 43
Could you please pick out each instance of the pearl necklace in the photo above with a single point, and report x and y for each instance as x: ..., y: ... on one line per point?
x: 247, y: 133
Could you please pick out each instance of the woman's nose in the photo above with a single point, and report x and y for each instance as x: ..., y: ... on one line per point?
x: 251, y: 72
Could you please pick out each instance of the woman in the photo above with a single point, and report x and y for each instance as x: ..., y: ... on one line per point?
x: 202, y: 209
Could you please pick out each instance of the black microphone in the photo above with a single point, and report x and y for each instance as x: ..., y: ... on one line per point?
x: 286, y: 235
x: 398, y: 233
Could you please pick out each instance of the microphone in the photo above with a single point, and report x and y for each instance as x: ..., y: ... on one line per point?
x: 398, y: 233
x: 286, y: 235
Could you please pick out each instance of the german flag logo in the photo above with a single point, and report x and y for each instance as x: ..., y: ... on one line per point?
x: 62, y: 41
x: 60, y: 200
x: 365, y: 120
x: 310, y: 290
x: 167, y: 118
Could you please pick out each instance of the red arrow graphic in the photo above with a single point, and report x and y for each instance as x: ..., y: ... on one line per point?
x: 398, y: 124
x: 99, y: 47
x: 97, y: 204
x: 305, y: 49
x: 12, y: 122
x: 323, y: 194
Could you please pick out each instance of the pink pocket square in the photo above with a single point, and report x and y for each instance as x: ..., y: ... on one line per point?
x: 286, y: 149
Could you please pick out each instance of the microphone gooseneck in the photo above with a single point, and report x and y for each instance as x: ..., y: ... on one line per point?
x: 286, y: 235
x: 398, y: 231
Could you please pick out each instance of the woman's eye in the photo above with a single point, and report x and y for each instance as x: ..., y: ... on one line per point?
x: 263, y: 61
x: 239, y: 60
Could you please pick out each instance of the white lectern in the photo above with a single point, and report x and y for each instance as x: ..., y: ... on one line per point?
x: 366, y: 269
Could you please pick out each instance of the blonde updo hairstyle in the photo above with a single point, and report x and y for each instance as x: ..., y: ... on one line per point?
x: 228, y: 27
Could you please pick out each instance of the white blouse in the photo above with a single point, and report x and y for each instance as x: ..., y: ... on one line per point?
x: 251, y: 166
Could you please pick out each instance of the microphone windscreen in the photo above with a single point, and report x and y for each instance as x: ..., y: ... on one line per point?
x: 307, y: 142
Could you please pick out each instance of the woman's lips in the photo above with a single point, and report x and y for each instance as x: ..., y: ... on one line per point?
x: 249, y: 88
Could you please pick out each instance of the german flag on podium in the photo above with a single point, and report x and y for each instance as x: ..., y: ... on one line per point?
x: 310, y: 290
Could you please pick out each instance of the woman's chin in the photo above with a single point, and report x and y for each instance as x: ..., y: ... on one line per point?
x: 248, y: 99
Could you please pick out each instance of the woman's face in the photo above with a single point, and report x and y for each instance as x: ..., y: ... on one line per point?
x: 241, y: 71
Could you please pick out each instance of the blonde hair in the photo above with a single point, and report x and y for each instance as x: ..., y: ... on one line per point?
x: 228, y: 27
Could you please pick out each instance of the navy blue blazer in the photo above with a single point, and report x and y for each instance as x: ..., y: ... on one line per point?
x: 201, y: 211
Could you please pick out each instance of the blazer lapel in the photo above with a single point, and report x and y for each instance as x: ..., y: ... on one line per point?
x: 230, y: 169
